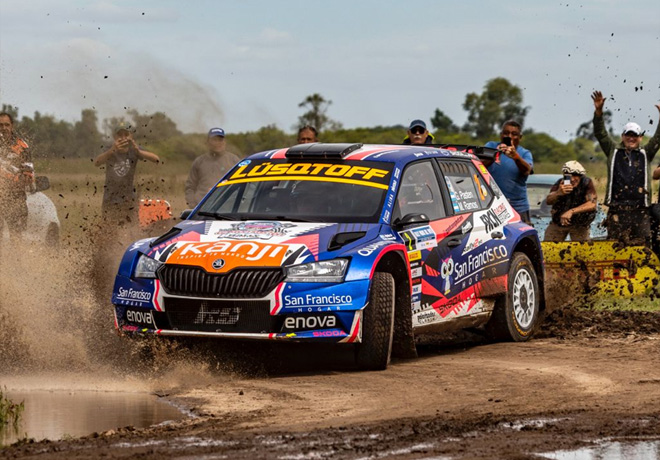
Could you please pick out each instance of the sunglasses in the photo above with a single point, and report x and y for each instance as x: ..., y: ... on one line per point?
x: 417, y: 130
x: 632, y: 134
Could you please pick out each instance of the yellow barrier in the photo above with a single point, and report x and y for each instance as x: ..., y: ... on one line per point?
x: 602, y: 268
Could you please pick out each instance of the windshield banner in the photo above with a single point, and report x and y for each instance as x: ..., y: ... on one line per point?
x: 370, y: 174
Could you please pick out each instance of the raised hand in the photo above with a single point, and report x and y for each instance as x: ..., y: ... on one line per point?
x: 599, y: 102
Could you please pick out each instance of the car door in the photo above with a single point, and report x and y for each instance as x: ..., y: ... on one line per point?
x: 429, y: 251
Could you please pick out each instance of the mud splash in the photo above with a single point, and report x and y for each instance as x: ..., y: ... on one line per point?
x: 57, y: 325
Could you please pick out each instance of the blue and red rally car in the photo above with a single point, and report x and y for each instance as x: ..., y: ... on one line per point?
x: 367, y: 245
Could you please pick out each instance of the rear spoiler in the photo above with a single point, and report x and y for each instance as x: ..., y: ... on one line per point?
x: 481, y: 152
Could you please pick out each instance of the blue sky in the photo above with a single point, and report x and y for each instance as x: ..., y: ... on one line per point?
x: 244, y: 64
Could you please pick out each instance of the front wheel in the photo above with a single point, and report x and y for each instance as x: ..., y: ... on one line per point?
x: 375, y: 350
x: 517, y: 313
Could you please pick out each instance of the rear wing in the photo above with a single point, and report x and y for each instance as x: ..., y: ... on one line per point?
x: 481, y: 152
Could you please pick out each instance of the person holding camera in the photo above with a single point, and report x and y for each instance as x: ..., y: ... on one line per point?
x: 119, y: 196
x: 511, y: 170
x: 628, y: 192
x: 16, y: 177
x: 574, y: 200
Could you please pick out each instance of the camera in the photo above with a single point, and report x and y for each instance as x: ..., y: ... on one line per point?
x: 506, y: 141
x: 567, y: 179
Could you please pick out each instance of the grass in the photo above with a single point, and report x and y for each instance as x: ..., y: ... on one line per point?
x: 10, y: 412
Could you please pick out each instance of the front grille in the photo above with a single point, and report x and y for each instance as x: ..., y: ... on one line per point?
x: 239, y: 283
x: 221, y: 315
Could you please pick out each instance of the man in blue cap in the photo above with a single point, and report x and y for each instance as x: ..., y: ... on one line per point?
x: 418, y: 134
x: 209, y: 168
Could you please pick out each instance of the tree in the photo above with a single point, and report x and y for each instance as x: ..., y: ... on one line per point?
x: 87, y: 140
x: 586, y: 129
x: 500, y: 101
x: 442, y: 122
x: 316, y: 115
x: 154, y: 127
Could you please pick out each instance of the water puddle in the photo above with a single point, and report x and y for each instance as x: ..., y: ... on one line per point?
x: 57, y: 414
x: 610, y: 450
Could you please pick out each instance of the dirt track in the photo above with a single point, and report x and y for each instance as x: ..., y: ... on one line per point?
x: 586, y: 377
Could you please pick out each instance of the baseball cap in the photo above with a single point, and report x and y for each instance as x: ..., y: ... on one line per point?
x: 632, y: 127
x: 216, y: 132
x: 573, y: 167
x: 122, y: 126
x: 416, y: 123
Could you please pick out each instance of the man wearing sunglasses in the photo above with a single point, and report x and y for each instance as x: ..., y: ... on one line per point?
x: 628, y: 192
x: 418, y: 134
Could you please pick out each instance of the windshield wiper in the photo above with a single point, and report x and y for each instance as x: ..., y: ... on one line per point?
x: 215, y: 215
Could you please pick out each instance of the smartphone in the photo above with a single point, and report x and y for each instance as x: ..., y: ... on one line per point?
x: 506, y: 141
x: 567, y: 179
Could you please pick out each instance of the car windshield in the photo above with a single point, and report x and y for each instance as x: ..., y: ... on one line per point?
x: 314, y: 191
x: 536, y: 194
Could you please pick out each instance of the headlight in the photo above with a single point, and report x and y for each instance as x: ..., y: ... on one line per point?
x: 326, y: 271
x: 146, y: 267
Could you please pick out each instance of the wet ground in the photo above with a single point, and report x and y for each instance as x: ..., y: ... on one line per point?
x: 589, y: 380
x: 65, y: 414
x: 588, y: 385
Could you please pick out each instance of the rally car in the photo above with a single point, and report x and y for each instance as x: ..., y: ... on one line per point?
x: 365, y: 245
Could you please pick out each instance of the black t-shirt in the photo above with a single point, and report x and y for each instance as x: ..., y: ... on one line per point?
x: 574, y: 199
x: 119, y: 176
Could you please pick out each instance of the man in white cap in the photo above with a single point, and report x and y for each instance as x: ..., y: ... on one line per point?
x: 573, y: 199
x: 628, y: 192
x: 208, y: 169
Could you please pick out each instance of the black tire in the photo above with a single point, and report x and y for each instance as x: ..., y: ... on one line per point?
x: 516, y: 314
x: 375, y: 350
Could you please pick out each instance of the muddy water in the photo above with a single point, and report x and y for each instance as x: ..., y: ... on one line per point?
x: 59, y: 352
x: 56, y: 414
x: 641, y: 450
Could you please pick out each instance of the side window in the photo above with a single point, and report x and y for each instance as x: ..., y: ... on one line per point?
x: 468, y: 191
x: 419, y: 192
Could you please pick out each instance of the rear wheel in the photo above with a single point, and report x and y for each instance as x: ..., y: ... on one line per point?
x: 517, y: 313
x: 375, y: 350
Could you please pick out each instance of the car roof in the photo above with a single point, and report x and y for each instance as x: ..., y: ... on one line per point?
x: 543, y: 179
x: 383, y: 152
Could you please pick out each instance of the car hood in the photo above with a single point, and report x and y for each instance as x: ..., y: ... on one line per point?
x: 220, y: 246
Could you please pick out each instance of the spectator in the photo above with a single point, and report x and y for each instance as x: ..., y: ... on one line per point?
x: 208, y: 169
x: 418, y: 134
x: 120, y: 204
x: 16, y: 176
x: 628, y: 192
x: 573, y: 199
x: 511, y: 170
x: 307, y: 135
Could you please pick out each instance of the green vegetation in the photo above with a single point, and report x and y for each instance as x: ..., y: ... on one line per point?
x: 10, y: 412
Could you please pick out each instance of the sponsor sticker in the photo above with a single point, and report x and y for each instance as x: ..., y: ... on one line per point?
x: 414, y: 255
x: 363, y: 173
x: 298, y: 323
x: 259, y: 230
x: 141, y: 317
x: 234, y: 253
x: 307, y: 300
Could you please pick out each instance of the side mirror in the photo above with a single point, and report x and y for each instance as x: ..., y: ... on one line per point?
x: 186, y: 213
x: 410, y: 219
x: 41, y: 183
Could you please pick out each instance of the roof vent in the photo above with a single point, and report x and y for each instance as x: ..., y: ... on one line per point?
x: 321, y: 151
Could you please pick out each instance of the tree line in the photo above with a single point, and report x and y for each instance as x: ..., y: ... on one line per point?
x: 498, y: 101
